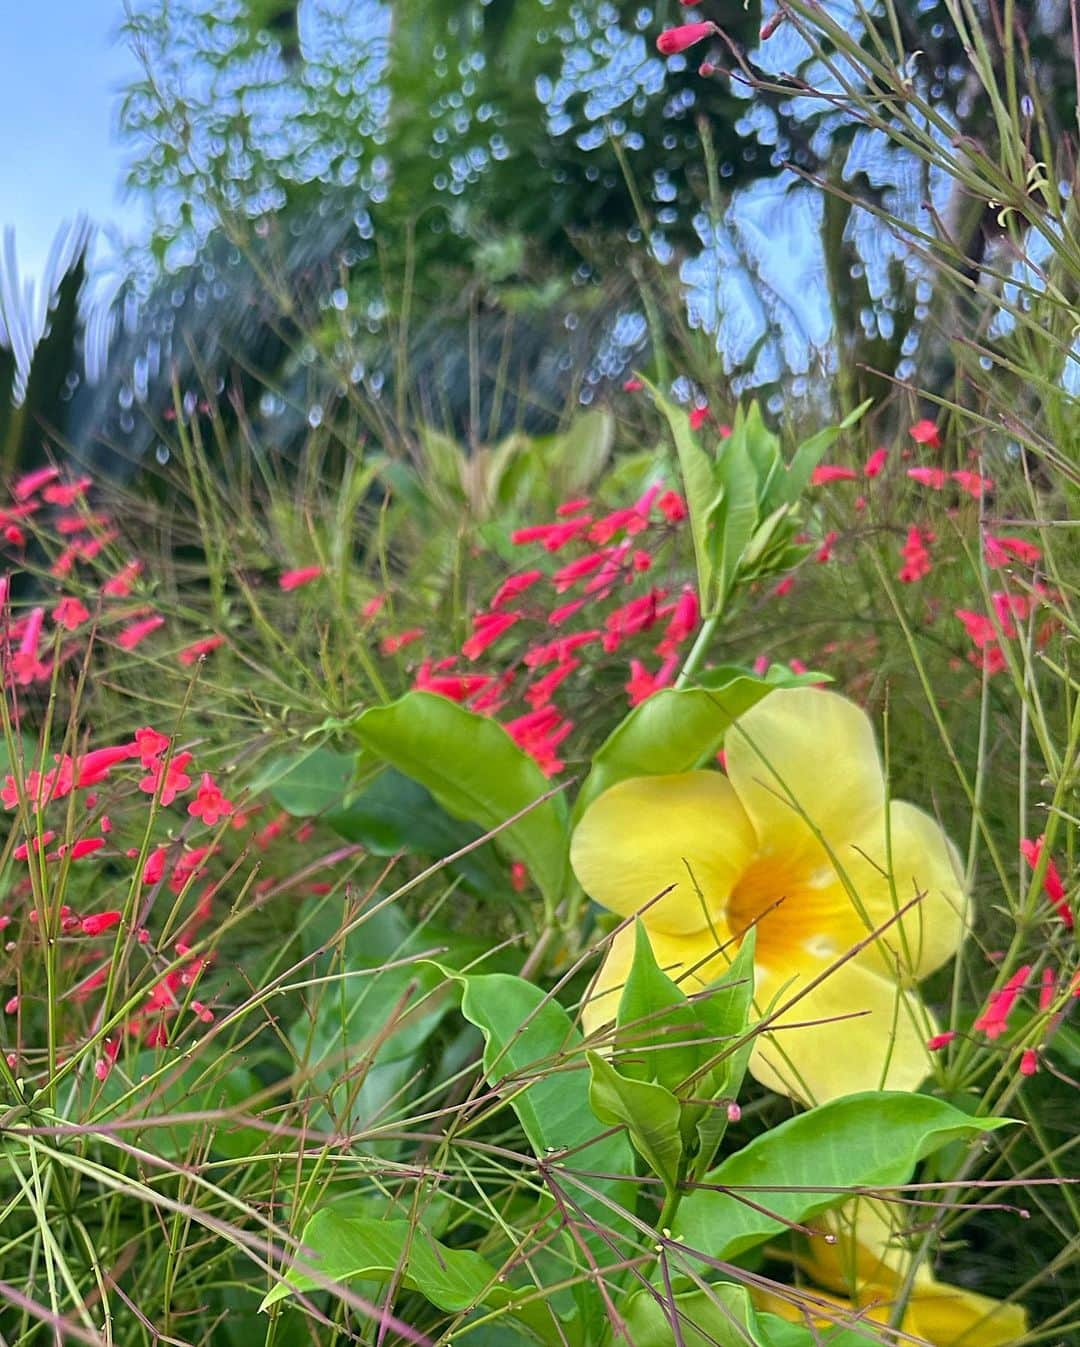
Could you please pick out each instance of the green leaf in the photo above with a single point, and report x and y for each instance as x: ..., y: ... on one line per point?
x: 699, y: 487
x: 654, y: 1011
x: 674, y: 730
x: 575, y: 459
x: 310, y: 782
x: 863, y: 1140
x: 649, y: 1112
x: 790, y: 485
x: 395, y: 813
x: 725, y: 1009
x: 475, y: 771
x: 348, y: 1249
x: 733, y: 516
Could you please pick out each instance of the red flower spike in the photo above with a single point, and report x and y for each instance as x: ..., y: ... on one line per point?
x: 831, y: 472
x: 926, y: 432
x: 916, y: 557
x: 1052, y: 885
x: 972, y: 483
x: 1000, y: 551
x: 577, y: 570
x: 552, y: 536
x: 303, y: 575
x: 24, y: 665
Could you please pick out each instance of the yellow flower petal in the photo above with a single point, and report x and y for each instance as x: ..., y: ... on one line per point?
x: 802, y: 749
x: 692, y: 961
x: 640, y: 837
x: 949, y: 1316
x: 884, y: 1047
x: 923, y: 861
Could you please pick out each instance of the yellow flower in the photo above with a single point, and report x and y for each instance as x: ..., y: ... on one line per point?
x: 798, y: 840
x: 866, y: 1269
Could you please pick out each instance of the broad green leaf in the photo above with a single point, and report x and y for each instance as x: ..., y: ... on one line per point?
x: 723, y: 1316
x: 863, y: 1140
x: 311, y: 781
x: 674, y: 730
x: 699, y: 487
x: 577, y: 457
x: 475, y: 771
x: 395, y: 813
x: 348, y: 1249
x: 725, y: 1009
x: 733, y: 517
x: 656, y: 1028
x: 649, y: 1112
x: 790, y: 485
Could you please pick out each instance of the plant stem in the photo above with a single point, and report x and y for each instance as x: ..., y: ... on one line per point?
x: 698, y: 650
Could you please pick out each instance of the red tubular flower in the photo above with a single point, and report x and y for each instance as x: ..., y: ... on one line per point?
x: 209, y: 803
x: 824, y: 552
x: 100, y: 922
x: 978, y: 626
x: 571, y: 507
x: 577, y: 570
x: 303, y: 575
x: 552, y: 536
x: 916, y: 556
x: 197, y: 649
x: 65, y: 494
x: 698, y: 415
x: 875, y: 464
x: 519, y: 876
x: 831, y: 472
x: 684, y: 621
x: 783, y: 587
x: 86, y: 846
x: 458, y: 687
x: 22, y: 851
x: 539, y: 733
x: 672, y: 506
x: 558, y: 616
x: 155, y: 866
x: 935, y: 478
x: 70, y: 613
x: 515, y: 585
x: 939, y: 1041
x: 637, y: 615
x: 540, y: 692
x: 926, y: 432
x: 994, y: 1020
x: 149, y: 744
x: 972, y: 483
x: 371, y: 609
x: 1046, y: 991
x: 487, y: 628
x: 25, y: 666
x: 1029, y: 1062
x: 121, y: 584
x: 1000, y: 550
x: 32, y: 482
x: 633, y: 386
x: 1032, y: 850
x: 390, y: 645
x: 130, y: 636
x: 675, y: 40
x: 94, y: 767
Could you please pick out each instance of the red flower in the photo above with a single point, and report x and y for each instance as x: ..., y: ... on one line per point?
x: 939, y: 1041
x: 577, y: 570
x: 121, y: 584
x: 672, y: 506
x: 65, y: 494
x: 24, y: 665
x: 197, y: 649
x: 931, y: 477
x: 1031, y: 850
x: 155, y: 866
x: 916, y: 556
x: 785, y: 586
x: 392, y: 644
x: 209, y: 803
x: 926, y: 432
x: 999, y: 550
x: 487, y: 628
x: 633, y: 386
x: 86, y: 846
x: 1029, y: 1062
x: 70, y: 613
x: 994, y: 1019
x: 824, y: 552
x: 642, y: 684
x: 684, y: 620
x: 552, y: 536
x: 831, y: 472
x: 540, y: 692
x: 875, y: 464
x: 32, y: 482
x: 972, y: 483
x: 289, y: 580
x: 559, y: 615
x: 978, y: 626
x: 94, y: 767
x: 675, y: 40
x: 149, y: 744
x: 519, y: 876
x: 515, y: 585
x: 371, y: 608
x: 173, y: 779
x: 571, y: 507
x: 539, y: 733
x: 698, y: 417
x: 135, y: 632
x: 100, y: 922
x: 637, y: 615
x: 458, y: 687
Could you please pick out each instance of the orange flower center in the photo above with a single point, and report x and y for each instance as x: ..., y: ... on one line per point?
x: 795, y: 906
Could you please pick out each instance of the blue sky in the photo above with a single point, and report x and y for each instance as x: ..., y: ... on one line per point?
x: 63, y: 68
